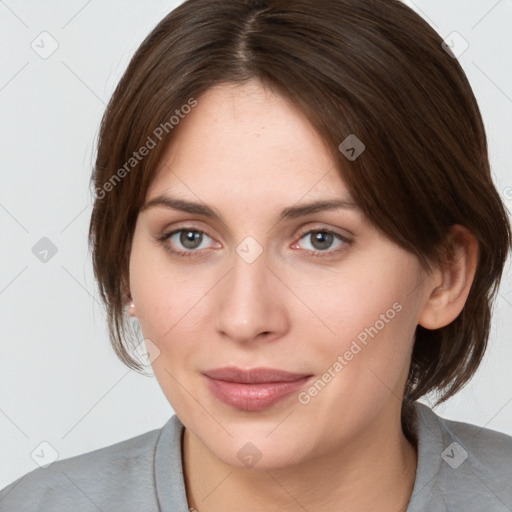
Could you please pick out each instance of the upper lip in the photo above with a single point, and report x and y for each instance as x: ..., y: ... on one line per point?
x: 253, y: 375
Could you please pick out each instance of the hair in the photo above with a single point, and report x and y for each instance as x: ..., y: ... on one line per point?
x: 373, y: 68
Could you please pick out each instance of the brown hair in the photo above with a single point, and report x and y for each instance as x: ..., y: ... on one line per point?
x: 372, y: 68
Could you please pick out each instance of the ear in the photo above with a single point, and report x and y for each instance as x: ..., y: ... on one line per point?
x: 451, y: 282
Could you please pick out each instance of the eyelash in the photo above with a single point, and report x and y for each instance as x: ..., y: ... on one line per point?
x: 193, y: 252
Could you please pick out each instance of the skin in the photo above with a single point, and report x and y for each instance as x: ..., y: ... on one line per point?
x: 250, y: 153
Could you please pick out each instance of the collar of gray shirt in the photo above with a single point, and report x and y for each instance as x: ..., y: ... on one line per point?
x: 461, y: 467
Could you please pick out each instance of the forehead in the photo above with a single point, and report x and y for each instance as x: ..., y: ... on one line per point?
x: 248, y: 140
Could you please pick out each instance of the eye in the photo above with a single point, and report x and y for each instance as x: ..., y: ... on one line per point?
x: 190, y: 239
x: 322, y: 241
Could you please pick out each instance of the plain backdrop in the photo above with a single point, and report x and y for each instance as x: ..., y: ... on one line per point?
x: 60, y: 381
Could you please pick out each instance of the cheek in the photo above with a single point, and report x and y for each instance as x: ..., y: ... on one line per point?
x: 371, y: 319
x: 165, y: 297
x: 169, y: 308
x: 353, y: 305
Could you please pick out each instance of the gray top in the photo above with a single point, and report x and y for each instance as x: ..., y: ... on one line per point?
x: 461, y: 467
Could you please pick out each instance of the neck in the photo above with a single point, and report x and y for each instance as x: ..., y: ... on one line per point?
x: 375, y: 470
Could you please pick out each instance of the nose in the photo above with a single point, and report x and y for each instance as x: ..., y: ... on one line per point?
x: 250, y: 302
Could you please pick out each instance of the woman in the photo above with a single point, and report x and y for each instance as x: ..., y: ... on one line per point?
x: 294, y: 200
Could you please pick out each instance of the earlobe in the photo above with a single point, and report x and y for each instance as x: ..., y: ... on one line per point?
x: 131, y: 309
x: 451, y: 283
x: 131, y: 306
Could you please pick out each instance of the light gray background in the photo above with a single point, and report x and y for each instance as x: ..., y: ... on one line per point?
x: 60, y: 382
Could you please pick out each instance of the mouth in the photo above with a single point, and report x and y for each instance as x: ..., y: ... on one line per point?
x: 254, y: 389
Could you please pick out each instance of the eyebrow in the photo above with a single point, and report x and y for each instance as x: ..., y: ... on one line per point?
x: 291, y: 212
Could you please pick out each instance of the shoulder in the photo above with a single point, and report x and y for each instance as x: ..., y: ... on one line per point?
x: 466, y: 466
x: 116, y: 474
x: 486, y: 447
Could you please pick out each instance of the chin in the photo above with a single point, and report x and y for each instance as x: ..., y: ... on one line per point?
x: 256, y: 449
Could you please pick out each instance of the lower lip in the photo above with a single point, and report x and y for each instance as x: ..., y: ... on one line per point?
x: 253, y: 397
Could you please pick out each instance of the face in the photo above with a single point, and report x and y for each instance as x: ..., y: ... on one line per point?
x: 320, y: 294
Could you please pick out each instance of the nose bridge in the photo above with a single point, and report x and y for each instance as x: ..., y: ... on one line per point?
x: 249, y: 304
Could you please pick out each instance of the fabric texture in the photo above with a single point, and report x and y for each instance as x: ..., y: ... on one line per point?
x: 461, y: 467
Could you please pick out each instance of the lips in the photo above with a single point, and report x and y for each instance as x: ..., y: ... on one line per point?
x: 254, y: 389
x: 254, y: 375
